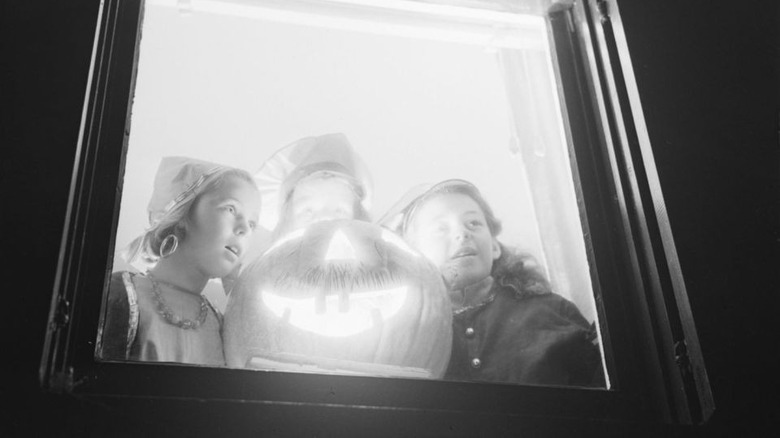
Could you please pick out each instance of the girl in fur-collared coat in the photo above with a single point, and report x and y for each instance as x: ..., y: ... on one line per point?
x: 508, y: 325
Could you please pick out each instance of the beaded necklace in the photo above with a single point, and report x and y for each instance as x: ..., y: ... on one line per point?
x: 167, y: 313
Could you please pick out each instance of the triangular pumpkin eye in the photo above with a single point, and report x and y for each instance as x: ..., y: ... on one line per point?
x: 297, y: 234
x: 340, y: 248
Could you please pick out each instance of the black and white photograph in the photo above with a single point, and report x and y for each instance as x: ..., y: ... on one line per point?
x: 390, y: 218
x: 432, y: 144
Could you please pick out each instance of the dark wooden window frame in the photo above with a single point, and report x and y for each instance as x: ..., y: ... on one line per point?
x: 653, y: 356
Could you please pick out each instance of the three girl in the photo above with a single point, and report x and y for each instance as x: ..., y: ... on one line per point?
x: 508, y: 325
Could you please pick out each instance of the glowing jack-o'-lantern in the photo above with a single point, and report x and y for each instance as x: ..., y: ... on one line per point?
x: 340, y: 296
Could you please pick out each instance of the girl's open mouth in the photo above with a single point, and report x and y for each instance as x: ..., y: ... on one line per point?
x: 464, y: 252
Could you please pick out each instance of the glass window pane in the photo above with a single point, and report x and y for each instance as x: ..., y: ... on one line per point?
x: 420, y: 93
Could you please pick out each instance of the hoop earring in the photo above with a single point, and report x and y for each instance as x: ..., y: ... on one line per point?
x: 168, y: 245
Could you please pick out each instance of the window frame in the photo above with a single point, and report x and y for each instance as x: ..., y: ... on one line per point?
x: 653, y: 357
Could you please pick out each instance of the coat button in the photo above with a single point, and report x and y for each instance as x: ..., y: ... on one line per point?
x: 476, y: 363
x: 470, y: 332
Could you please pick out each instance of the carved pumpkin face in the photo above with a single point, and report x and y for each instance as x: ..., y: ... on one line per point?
x: 344, y: 296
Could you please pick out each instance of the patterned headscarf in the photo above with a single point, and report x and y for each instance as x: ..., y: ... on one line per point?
x: 179, y: 180
x: 397, y: 218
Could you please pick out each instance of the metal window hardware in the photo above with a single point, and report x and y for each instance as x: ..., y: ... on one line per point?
x: 61, y: 315
x: 682, y: 359
x: 603, y: 9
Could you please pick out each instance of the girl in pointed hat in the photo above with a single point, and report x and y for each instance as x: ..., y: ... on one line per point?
x: 313, y: 179
x: 201, y: 217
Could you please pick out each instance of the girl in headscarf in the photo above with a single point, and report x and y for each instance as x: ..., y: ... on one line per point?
x: 508, y: 326
x: 201, y: 216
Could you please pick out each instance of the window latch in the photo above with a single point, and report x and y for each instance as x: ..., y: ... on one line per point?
x: 62, y: 381
x: 603, y: 9
x: 61, y: 315
x: 681, y: 358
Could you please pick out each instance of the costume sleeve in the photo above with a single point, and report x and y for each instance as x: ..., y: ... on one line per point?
x: 114, y: 334
x: 570, y: 311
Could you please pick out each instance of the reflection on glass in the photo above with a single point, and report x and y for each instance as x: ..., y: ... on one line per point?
x: 338, y: 109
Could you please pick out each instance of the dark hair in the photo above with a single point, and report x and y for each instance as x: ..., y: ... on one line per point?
x: 520, y: 271
x: 512, y: 268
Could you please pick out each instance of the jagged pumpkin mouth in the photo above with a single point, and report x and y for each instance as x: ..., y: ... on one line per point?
x: 337, y: 315
x: 340, y: 287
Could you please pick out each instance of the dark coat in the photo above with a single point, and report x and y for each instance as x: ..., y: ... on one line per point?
x: 528, y: 338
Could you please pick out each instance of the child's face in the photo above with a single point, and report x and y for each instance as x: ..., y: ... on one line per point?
x: 450, y: 230
x: 319, y: 199
x: 220, y: 226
